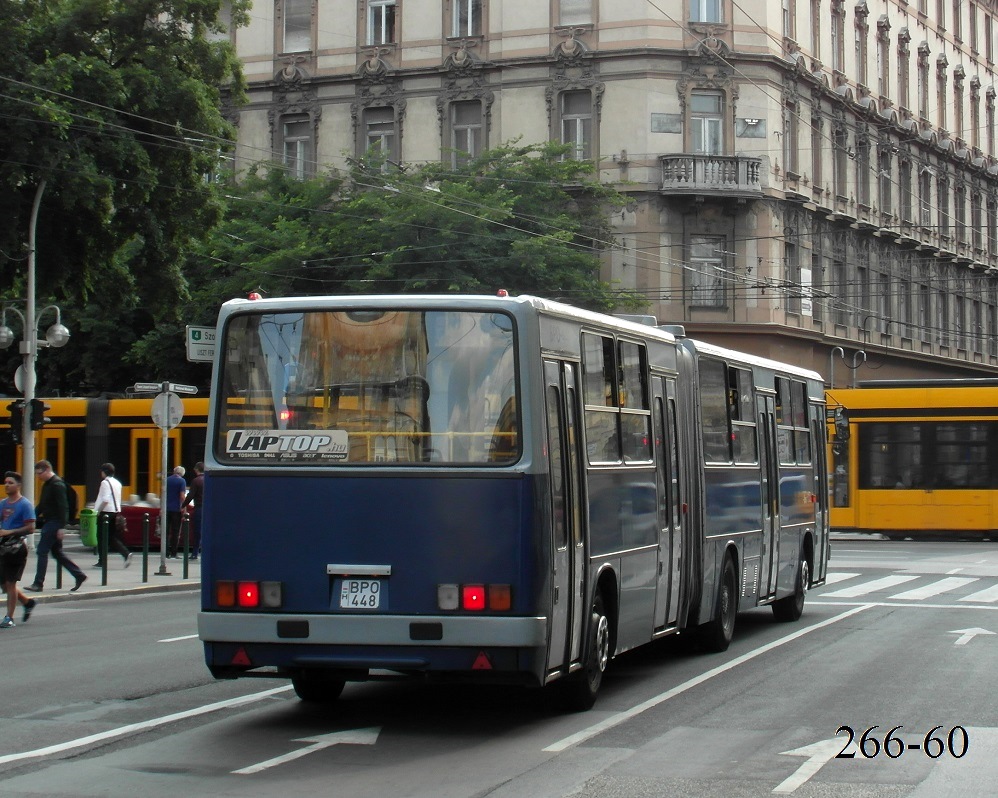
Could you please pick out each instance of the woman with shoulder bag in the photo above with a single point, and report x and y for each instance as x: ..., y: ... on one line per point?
x: 108, y: 505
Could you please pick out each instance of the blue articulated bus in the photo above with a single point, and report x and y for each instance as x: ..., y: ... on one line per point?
x: 493, y: 489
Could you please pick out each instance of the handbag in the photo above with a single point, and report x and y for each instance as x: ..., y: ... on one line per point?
x: 11, y: 544
x: 120, y: 524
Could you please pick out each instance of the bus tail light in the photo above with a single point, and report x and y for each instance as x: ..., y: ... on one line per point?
x: 474, y: 598
x: 500, y: 597
x: 247, y: 594
x: 271, y: 594
x: 225, y: 594
x: 447, y: 597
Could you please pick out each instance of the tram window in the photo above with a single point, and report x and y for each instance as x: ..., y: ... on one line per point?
x: 555, y: 458
x: 793, y: 437
x: 714, y: 411
x: 600, y: 394
x: 741, y: 400
x: 597, y: 371
x: 635, y: 420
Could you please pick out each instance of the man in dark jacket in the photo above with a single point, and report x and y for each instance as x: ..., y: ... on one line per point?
x: 53, y: 507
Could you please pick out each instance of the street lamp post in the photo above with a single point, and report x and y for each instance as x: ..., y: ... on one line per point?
x: 56, y: 335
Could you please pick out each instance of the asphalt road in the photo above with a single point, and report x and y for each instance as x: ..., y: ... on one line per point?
x: 111, y: 698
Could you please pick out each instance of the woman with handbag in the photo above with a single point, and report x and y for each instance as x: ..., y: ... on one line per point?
x: 108, y: 506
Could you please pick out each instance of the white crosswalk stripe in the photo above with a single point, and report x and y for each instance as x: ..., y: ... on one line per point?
x: 929, y: 586
x: 838, y: 576
x: 986, y: 596
x: 869, y: 587
x: 933, y: 588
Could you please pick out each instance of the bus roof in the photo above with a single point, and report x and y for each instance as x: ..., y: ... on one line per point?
x: 443, y: 302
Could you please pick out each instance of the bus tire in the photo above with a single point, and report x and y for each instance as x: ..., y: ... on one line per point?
x: 316, y: 688
x: 792, y: 607
x: 716, y: 634
x: 579, y: 690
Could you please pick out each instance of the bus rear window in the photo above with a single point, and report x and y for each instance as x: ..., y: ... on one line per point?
x: 368, y: 387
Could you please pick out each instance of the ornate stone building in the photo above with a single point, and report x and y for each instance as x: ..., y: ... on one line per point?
x: 812, y: 180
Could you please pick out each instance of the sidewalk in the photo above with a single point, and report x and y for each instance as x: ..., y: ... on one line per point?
x: 121, y: 581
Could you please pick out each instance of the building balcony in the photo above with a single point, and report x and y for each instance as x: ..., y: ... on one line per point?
x: 712, y: 175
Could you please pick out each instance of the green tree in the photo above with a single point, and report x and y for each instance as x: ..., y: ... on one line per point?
x: 118, y: 106
x: 521, y: 218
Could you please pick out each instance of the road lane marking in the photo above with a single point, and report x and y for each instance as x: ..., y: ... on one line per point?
x: 818, y: 754
x: 132, y: 728
x: 838, y: 576
x: 349, y: 736
x: 933, y: 588
x: 175, y: 639
x: 986, y: 595
x: 966, y: 635
x: 869, y: 587
x: 921, y: 605
x: 621, y: 717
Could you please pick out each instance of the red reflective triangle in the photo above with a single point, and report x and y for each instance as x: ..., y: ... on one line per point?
x: 481, y: 662
x: 240, y: 658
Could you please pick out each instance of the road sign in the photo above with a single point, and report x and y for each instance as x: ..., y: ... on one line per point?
x: 147, y: 387
x: 167, y: 410
x: 200, y: 344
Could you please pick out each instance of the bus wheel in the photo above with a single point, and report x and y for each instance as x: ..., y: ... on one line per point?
x: 792, y: 607
x: 716, y: 634
x: 579, y: 691
x: 317, y: 688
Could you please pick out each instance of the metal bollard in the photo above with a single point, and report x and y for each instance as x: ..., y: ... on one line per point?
x: 145, y: 547
x: 105, y: 529
x: 185, y: 534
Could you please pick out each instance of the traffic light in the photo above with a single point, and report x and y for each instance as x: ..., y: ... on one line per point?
x: 841, y: 424
x: 38, y: 417
x: 16, y: 410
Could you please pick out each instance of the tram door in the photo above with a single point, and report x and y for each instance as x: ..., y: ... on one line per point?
x: 568, y: 544
x: 669, y: 505
x: 147, y: 461
x: 770, y: 496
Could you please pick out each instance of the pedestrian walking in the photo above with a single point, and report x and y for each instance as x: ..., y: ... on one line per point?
x: 52, y: 511
x: 108, y: 505
x: 17, y: 520
x: 176, y: 492
x: 195, y: 497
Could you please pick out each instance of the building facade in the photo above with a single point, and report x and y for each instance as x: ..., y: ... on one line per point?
x: 811, y: 180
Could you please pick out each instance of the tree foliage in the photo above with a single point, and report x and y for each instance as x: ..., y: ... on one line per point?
x: 521, y: 218
x: 118, y: 106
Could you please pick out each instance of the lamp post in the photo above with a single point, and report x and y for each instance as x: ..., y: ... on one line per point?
x: 56, y: 335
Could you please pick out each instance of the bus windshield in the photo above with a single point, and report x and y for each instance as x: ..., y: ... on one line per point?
x: 368, y: 386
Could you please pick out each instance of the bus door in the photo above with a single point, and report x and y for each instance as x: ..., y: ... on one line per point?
x: 670, y: 517
x: 770, y: 476
x: 568, y: 549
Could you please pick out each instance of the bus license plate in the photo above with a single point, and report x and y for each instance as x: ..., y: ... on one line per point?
x: 360, y: 594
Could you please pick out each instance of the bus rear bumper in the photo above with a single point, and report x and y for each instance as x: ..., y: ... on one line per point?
x: 510, y: 650
x: 376, y: 630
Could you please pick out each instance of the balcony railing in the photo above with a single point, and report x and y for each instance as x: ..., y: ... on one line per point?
x: 717, y: 175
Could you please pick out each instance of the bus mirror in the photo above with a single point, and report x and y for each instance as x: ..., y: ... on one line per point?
x: 841, y: 424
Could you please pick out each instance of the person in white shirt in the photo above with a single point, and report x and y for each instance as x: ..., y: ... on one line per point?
x: 108, y: 505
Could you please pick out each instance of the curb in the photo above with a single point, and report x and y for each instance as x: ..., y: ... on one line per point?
x: 59, y: 598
